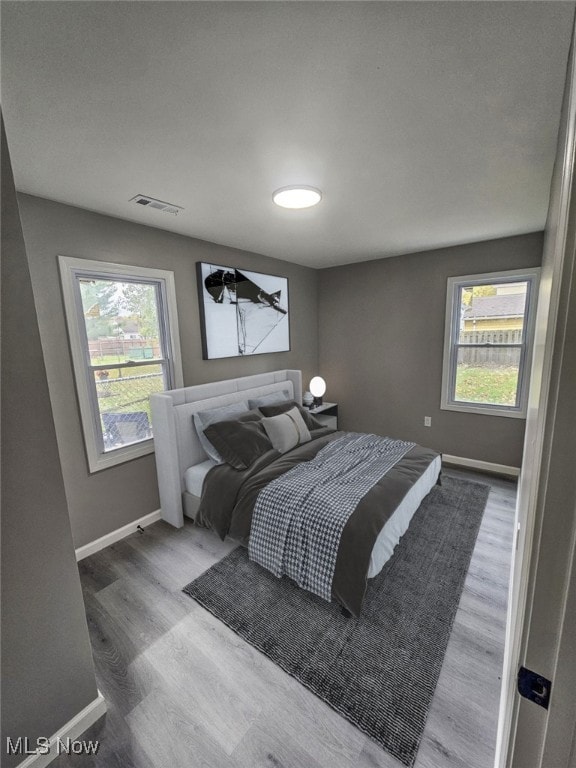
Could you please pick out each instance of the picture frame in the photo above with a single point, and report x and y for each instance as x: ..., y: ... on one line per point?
x: 242, y: 312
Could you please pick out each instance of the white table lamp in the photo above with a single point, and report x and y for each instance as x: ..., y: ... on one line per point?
x: 318, y: 388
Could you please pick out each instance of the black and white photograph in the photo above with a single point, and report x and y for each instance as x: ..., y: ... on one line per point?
x: 242, y: 312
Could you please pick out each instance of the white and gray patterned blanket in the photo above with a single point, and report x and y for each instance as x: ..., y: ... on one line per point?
x: 299, y: 517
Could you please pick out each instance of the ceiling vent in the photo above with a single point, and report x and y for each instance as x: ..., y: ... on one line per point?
x: 158, y: 205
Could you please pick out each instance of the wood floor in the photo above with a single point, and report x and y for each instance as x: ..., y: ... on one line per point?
x: 183, y: 691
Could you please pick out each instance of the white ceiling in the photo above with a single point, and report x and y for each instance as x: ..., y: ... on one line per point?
x: 424, y: 124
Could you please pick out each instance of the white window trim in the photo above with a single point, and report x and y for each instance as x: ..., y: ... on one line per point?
x: 511, y: 276
x: 70, y: 267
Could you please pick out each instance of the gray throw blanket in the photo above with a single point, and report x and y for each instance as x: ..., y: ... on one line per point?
x: 299, y: 517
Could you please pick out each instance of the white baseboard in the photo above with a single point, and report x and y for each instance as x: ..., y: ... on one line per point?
x: 73, y: 729
x: 482, y: 466
x: 114, y: 536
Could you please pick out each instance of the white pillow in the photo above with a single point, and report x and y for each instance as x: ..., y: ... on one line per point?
x: 203, y: 419
x: 286, y: 430
x: 273, y: 399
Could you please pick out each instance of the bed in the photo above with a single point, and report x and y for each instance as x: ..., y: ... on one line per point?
x: 240, y: 500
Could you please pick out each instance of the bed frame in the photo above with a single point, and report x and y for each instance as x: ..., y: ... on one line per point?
x: 176, y: 443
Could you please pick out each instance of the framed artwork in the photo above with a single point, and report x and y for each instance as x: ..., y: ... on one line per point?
x: 242, y: 312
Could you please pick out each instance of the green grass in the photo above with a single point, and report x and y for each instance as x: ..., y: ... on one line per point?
x: 496, y: 386
x: 114, y: 395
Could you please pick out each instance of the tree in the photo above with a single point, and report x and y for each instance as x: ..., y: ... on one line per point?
x: 139, y: 301
x: 100, y: 306
x: 477, y: 290
x: 107, y: 304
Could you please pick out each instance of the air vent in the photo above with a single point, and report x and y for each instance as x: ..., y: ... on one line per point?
x: 158, y: 205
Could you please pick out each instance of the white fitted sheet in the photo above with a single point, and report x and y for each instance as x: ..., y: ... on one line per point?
x: 194, y: 476
x: 399, y: 521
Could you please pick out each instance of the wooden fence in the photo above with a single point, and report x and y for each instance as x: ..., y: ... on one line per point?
x: 134, y: 349
x: 490, y: 356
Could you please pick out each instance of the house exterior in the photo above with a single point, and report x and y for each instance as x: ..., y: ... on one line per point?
x: 503, y: 311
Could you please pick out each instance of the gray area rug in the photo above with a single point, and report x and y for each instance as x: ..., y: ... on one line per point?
x: 378, y: 671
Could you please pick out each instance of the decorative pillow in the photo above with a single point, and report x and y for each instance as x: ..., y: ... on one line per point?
x: 239, y: 442
x: 203, y: 419
x: 286, y: 430
x: 275, y: 398
x: 274, y: 410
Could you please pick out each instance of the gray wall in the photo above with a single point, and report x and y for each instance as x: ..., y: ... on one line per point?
x: 47, y: 671
x: 381, y: 338
x: 104, y: 501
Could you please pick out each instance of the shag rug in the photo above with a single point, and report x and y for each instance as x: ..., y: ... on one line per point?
x: 380, y: 670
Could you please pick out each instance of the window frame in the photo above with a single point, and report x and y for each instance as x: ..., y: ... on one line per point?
x: 451, y: 344
x: 71, y: 268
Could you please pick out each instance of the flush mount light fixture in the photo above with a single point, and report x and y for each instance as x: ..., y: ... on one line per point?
x: 297, y: 197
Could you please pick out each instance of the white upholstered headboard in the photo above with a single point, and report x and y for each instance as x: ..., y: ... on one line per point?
x: 176, y: 443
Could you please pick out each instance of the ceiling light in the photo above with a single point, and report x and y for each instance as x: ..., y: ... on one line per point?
x: 297, y: 197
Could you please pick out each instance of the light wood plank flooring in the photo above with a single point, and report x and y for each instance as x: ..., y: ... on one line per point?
x: 183, y: 691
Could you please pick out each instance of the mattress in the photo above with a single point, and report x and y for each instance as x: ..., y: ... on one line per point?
x: 194, y: 476
x: 398, y: 523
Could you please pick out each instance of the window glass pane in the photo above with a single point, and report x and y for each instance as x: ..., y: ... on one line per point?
x: 492, y: 313
x: 121, y: 319
x: 123, y: 402
x: 487, y: 375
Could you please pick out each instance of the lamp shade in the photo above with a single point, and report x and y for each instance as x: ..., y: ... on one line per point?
x: 318, y: 386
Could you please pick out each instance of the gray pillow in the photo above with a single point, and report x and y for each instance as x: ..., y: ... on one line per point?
x: 287, y: 430
x: 276, y: 409
x: 239, y: 442
x: 275, y: 398
x: 203, y: 419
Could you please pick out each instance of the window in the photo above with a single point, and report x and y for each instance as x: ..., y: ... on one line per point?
x: 123, y: 332
x: 488, y: 342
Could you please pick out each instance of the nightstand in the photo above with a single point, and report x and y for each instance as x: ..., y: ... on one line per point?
x: 327, y: 414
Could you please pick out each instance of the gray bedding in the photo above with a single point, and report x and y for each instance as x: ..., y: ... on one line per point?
x: 230, y: 496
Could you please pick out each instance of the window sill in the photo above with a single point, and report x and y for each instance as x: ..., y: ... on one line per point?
x: 484, y: 410
x: 120, y: 455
